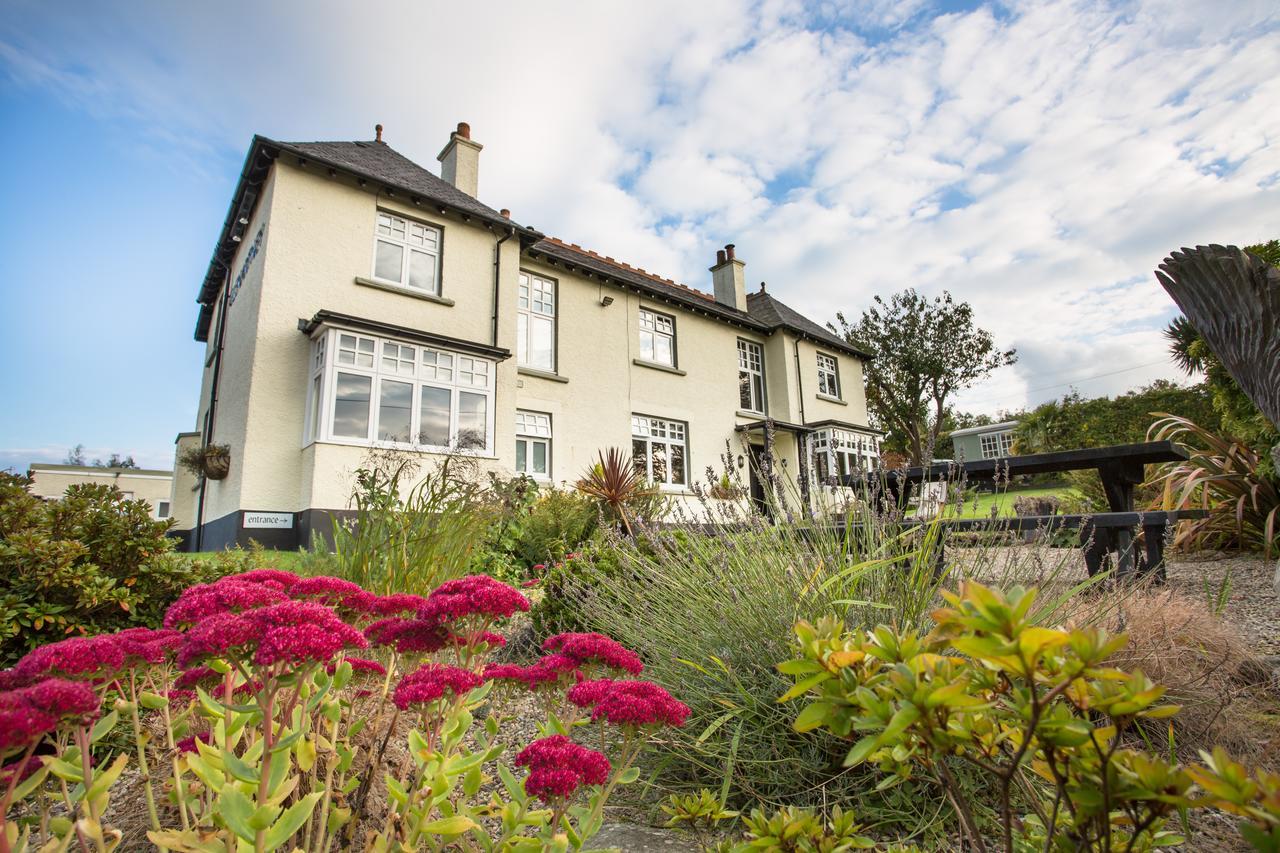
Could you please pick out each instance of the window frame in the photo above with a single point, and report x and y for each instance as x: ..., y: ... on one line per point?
x: 1002, y: 440
x: 839, y: 451
x: 834, y: 372
x: 764, y: 393
x: 533, y: 438
x: 325, y: 367
x: 522, y: 340
x: 641, y: 330
x: 408, y: 249
x: 650, y: 439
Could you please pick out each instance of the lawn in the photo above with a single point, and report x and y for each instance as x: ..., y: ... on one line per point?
x: 1001, y: 503
x: 287, y: 560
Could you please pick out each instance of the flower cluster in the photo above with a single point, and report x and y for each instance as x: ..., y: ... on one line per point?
x: 474, y: 595
x: 275, y: 578
x: 75, y: 657
x: 546, y: 671
x: 595, y: 648
x: 188, y: 744
x: 629, y: 703
x: 147, y: 645
x: 558, y: 767
x: 288, y: 632
x: 232, y: 594
x: 28, y: 713
x: 397, y: 602
x: 430, y: 682
x: 407, y: 636
x: 359, y: 666
x: 336, y: 592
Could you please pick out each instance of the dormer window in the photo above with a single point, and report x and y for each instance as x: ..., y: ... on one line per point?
x: 406, y: 253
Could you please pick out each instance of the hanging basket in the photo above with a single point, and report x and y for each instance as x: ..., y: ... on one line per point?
x: 217, y: 463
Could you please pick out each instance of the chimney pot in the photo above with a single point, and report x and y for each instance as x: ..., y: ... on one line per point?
x: 464, y: 130
x: 377, y: 130
x: 728, y: 250
x: 460, y: 160
x: 720, y: 257
x: 506, y: 214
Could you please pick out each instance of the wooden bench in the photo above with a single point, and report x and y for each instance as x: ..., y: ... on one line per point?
x: 1105, y: 537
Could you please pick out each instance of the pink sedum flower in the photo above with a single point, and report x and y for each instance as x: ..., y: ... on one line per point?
x: 147, y: 645
x: 359, y: 667
x: 558, y: 767
x: 231, y: 594
x: 399, y: 602
x: 76, y: 657
x: 29, y: 713
x: 407, y: 636
x: 188, y: 744
x: 489, y: 638
x: 274, y: 578
x: 629, y: 703
x: 288, y: 632
x: 596, y: 648
x: 430, y: 682
x: 474, y: 595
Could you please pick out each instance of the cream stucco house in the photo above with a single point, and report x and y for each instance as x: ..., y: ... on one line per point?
x: 50, y: 482
x: 355, y: 299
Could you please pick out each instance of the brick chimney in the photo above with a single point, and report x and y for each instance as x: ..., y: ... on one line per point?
x: 460, y: 160
x: 728, y: 279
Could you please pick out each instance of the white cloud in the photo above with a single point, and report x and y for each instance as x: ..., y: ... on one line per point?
x: 1083, y: 140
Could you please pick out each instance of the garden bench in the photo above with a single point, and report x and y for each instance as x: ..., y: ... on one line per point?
x: 1104, y: 536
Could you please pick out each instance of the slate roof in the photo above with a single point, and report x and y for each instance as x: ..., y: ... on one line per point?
x: 774, y: 313
x: 381, y: 162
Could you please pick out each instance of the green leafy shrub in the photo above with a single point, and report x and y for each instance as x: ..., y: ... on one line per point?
x: 1034, y: 709
x: 93, y: 561
x: 532, y: 526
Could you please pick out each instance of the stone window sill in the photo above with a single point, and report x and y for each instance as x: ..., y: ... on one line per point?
x: 830, y: 399
x: 404, y: 291
x: 665, y: 368
x: 541, y: 374
x: 755, y: 416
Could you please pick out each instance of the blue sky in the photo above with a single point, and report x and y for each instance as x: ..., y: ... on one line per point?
x: 1036, y: 159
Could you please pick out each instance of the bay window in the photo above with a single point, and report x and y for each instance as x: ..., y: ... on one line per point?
x: 386, y: 392
x: 536, y: 322
x: 406, y: 253
x: 659, y: 450
x: 840, y: 452
x: 533, y: 444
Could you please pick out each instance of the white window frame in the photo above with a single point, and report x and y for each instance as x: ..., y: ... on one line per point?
x: 408, y: 246
x: 829, y: 376
x: 536, y: 302
x: 533, y: 429
x: 840, y: 452
x: 163, y: 510
x: 667, y: 433
x: 655, y: 326
x: 391, y: 364
x: 749, y: 351
x: 996, y: 445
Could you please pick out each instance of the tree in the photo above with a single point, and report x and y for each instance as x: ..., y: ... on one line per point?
x: 926, y: 351
x: 1240, y: 417
x: 75, y: 456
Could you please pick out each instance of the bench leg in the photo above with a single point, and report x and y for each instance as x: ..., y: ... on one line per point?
x: 1153, y: 536
x: 1122, y: 540
x: 1095, y: 543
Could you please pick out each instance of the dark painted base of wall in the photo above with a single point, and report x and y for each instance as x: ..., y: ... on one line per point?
x: 230, y: 532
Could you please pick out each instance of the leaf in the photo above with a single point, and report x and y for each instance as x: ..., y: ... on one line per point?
x: 104, y: 726
x: 804, y: 685
x: 306, y: 753
x: 289, y: 822
x: 861, y: 750
x: 455, y: 825
x: 236, y: 810
x: 813, y: 716
x: 152, y: 701
x: 629, y: 775
x: 238, y: 768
